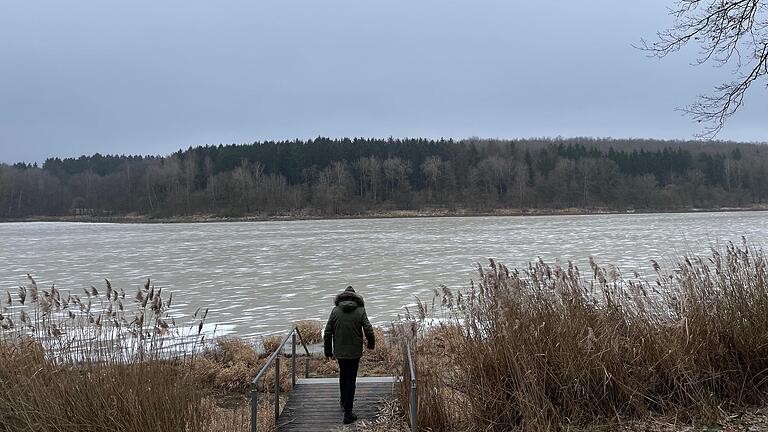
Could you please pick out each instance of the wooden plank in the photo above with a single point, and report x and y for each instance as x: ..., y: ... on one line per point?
x: 313, y: 405
x: 360, y: 380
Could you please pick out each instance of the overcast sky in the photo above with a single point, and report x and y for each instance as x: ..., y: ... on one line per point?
x: 144, y: 77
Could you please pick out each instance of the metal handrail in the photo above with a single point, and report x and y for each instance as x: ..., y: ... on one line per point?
x: 414, y: 393
x: 275, y: 357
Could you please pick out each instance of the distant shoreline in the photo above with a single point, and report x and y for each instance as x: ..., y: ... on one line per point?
x: 378, y: 214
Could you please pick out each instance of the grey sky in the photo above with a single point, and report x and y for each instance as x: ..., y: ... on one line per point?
x: 154, y: 76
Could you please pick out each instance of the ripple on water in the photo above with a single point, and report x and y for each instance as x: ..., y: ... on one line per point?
x: 256, y: 278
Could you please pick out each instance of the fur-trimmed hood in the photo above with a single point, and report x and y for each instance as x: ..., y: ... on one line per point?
x: 349, y: 301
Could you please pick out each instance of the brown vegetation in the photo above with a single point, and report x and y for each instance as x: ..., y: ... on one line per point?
x: 40, y: 395
x: 311, y: 331
x: 270, y: 343
x: 114, y: 362
x: 545, y: 349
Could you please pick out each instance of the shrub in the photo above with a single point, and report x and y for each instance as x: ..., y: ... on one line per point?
x: 270, y: 343
x: 311, y: 331
x: 229, y: 364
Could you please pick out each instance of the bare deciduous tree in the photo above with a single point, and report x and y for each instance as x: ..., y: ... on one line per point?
x: 189, y: 172
x: 432, y: 169
x: 727, y: 32
x: 396, y: 172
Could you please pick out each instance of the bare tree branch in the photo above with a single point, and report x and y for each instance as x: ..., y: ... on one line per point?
x: 728, y: 32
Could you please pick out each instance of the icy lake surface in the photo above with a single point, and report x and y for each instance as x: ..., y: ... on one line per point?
x: 258, y: 277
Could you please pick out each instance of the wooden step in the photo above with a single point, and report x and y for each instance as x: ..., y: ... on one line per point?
x: 313, y: 405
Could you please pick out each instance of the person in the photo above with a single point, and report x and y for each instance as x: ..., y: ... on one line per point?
x: 343, y: 340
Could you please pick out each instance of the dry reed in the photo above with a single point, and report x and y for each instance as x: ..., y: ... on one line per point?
x: 546, y: 349
x: 105, y: 360
x: 270, y: 343
x: 311, y: 331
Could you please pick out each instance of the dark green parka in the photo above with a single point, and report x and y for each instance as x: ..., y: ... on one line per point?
x: 343, y: 337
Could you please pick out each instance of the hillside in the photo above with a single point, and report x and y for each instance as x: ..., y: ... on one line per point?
x: 331, y: 177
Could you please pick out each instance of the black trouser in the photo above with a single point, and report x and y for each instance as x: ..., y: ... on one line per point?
x: 347, y: 379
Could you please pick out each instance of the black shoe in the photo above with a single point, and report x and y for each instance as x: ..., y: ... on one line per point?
x: 349, y: 417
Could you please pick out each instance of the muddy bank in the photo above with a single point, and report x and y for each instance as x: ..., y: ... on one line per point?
x: 373, y: 214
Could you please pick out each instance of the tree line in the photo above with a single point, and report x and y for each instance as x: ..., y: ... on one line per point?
x: 344, y: 176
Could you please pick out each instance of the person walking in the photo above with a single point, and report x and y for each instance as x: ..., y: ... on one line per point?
x: 343, y: 340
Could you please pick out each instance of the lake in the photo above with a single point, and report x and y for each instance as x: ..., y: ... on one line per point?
x: 258, y: 277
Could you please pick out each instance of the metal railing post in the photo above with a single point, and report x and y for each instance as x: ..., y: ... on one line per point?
x: 293, y: 360
x: 414, y: 390
x: 277, y: 387
x: 254, y: 406
x: 306, y: 360
x: 275, y: 358
x: 414, y: 407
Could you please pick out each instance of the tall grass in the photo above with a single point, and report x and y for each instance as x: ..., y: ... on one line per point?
x: 40, y: 395
x: 99, y: 326
x: 108, y: 360
x: 546, y: 348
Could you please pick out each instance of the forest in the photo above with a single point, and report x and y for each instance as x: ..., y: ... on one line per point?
x: 328, y: 177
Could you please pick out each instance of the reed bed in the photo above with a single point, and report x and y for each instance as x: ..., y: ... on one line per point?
x: 38, y: 394
x: 104, y: 325
x: 109, y: 360
x: 547, y: 348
